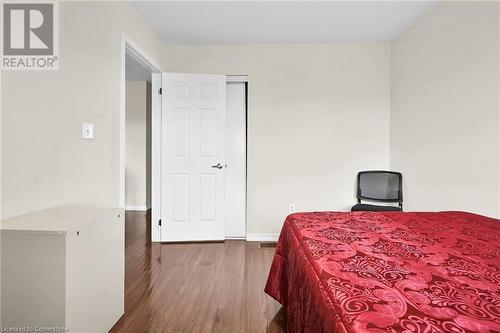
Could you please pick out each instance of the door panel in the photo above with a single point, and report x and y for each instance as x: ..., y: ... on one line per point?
x: 180, y: 201
x: 208, y: 198
x: 208, y: 132
x: 180, y: 128
x: 193, y: 140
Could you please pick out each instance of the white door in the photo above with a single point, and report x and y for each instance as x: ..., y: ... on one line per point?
x: 193, y: 156
x: 236, y: 160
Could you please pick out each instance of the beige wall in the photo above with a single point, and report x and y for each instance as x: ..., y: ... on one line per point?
x: 0, y: 191
x: 44, y: 161
x: 445, y: 109
x: 1, y: 155
x: 498, y: 112
x: 149, y: 126
x: 137, y: 168
x: 316, y: 115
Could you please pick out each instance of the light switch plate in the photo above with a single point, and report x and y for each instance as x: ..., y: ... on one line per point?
x: 87, y: 131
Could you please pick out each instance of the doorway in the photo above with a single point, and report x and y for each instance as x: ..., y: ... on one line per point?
x: 203, y: 149
x: 137, y: 65
x: 137, y: 136
x: 236, y: 157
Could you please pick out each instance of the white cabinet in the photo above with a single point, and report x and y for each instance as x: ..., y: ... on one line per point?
x: 63, y: 267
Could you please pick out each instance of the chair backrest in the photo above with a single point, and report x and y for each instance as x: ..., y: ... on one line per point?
x: 383, y: 186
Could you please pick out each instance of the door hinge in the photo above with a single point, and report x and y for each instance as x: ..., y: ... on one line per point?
x: 159, y: 222
x: 160, y: 91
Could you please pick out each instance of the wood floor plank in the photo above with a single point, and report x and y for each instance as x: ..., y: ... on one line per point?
x: 209, y: 287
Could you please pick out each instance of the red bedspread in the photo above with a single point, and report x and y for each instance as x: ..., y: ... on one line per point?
x: 388, y: 272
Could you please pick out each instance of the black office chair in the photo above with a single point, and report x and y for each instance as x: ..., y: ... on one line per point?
x: 381, y: 186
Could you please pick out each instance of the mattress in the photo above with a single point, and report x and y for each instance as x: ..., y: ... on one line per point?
x: 388, y: 272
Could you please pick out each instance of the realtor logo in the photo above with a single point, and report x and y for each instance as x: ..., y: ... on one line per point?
x: 29, y: 36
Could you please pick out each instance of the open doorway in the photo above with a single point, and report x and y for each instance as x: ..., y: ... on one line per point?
x: 236, y: 156
x: 140, y: 119
x: 203, y: 153
x: 137, y: 136
x: 137, y: 145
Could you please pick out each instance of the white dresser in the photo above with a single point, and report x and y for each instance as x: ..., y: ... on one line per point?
x: 63, y: 268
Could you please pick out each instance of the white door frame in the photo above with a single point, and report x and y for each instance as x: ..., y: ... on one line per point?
x: 128, y: 46
x: 237, y: 78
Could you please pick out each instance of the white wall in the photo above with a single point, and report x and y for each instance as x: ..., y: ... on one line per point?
x: 136, y: 159
x: 445, y: 109
x: 317, y: 114
x: 44, y: 161
x: 1, y: 155
x: 498, y: 97
x: 149, y: 157
x: 1, y: 192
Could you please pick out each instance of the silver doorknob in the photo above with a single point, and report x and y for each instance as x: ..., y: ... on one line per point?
x: 218, y: 166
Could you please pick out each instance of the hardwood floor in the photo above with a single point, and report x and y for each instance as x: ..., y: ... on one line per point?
x: 195, y: 288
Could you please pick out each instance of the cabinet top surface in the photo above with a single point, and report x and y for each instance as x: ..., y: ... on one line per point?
x: 61, y: 219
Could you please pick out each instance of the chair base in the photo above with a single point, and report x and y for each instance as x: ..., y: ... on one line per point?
x: 374, y: 208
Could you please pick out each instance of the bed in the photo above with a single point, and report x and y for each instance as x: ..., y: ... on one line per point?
x: 388, y: 272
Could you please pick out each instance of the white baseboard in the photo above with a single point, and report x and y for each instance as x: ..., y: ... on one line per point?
x: 254, y: 238
x: 137, y: 208
x: 262, y: 237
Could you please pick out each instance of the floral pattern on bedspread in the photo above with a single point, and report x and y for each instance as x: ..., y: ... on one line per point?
x: 388, y: 272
